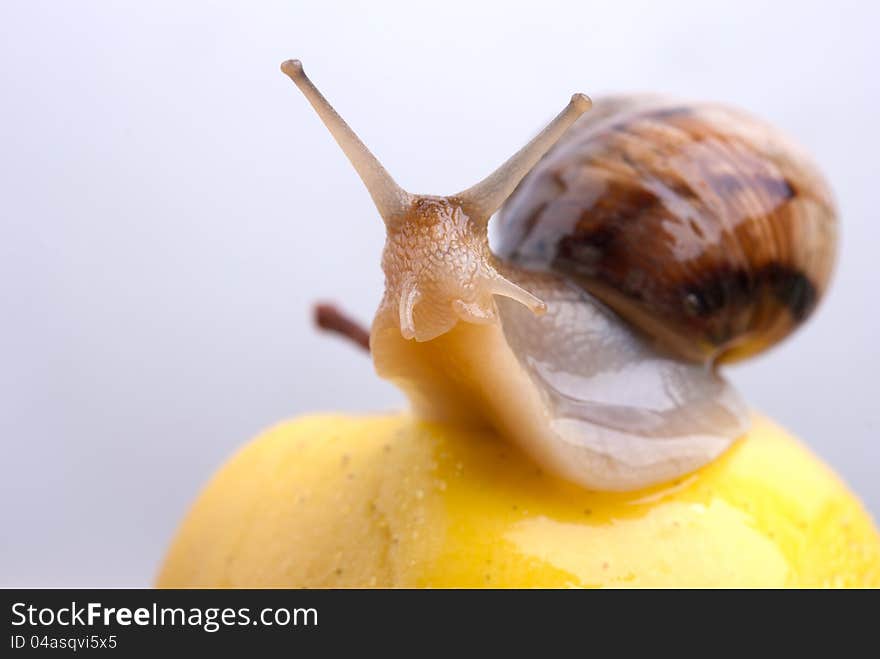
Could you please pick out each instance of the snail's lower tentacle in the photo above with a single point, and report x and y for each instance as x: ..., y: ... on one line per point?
x: 408, y: 298
x: 500, y: 285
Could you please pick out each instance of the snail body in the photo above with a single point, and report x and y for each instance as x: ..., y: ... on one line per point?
x: 595, y: 356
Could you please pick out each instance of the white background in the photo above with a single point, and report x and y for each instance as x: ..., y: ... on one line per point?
x: 170, y: 207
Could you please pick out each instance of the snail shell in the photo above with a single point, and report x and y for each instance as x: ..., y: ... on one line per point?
x: 699, y: 224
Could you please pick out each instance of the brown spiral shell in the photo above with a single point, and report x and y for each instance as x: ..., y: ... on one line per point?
x: 699, y: 224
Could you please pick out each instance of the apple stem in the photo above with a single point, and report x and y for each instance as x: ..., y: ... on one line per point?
x: 330, y: 318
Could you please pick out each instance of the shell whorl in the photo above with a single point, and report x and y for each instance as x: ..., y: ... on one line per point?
x: 701, y: 225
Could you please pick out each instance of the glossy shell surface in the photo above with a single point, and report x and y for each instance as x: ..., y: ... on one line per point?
x: 701, y: 225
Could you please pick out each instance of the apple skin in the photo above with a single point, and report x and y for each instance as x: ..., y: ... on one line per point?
x: 338, y: 501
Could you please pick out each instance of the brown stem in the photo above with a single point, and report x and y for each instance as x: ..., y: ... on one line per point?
x: 330, y: 319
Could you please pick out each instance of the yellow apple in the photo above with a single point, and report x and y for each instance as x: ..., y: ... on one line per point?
x: 394, y: 501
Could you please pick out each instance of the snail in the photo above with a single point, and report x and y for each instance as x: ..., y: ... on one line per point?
x: 641, y: 246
